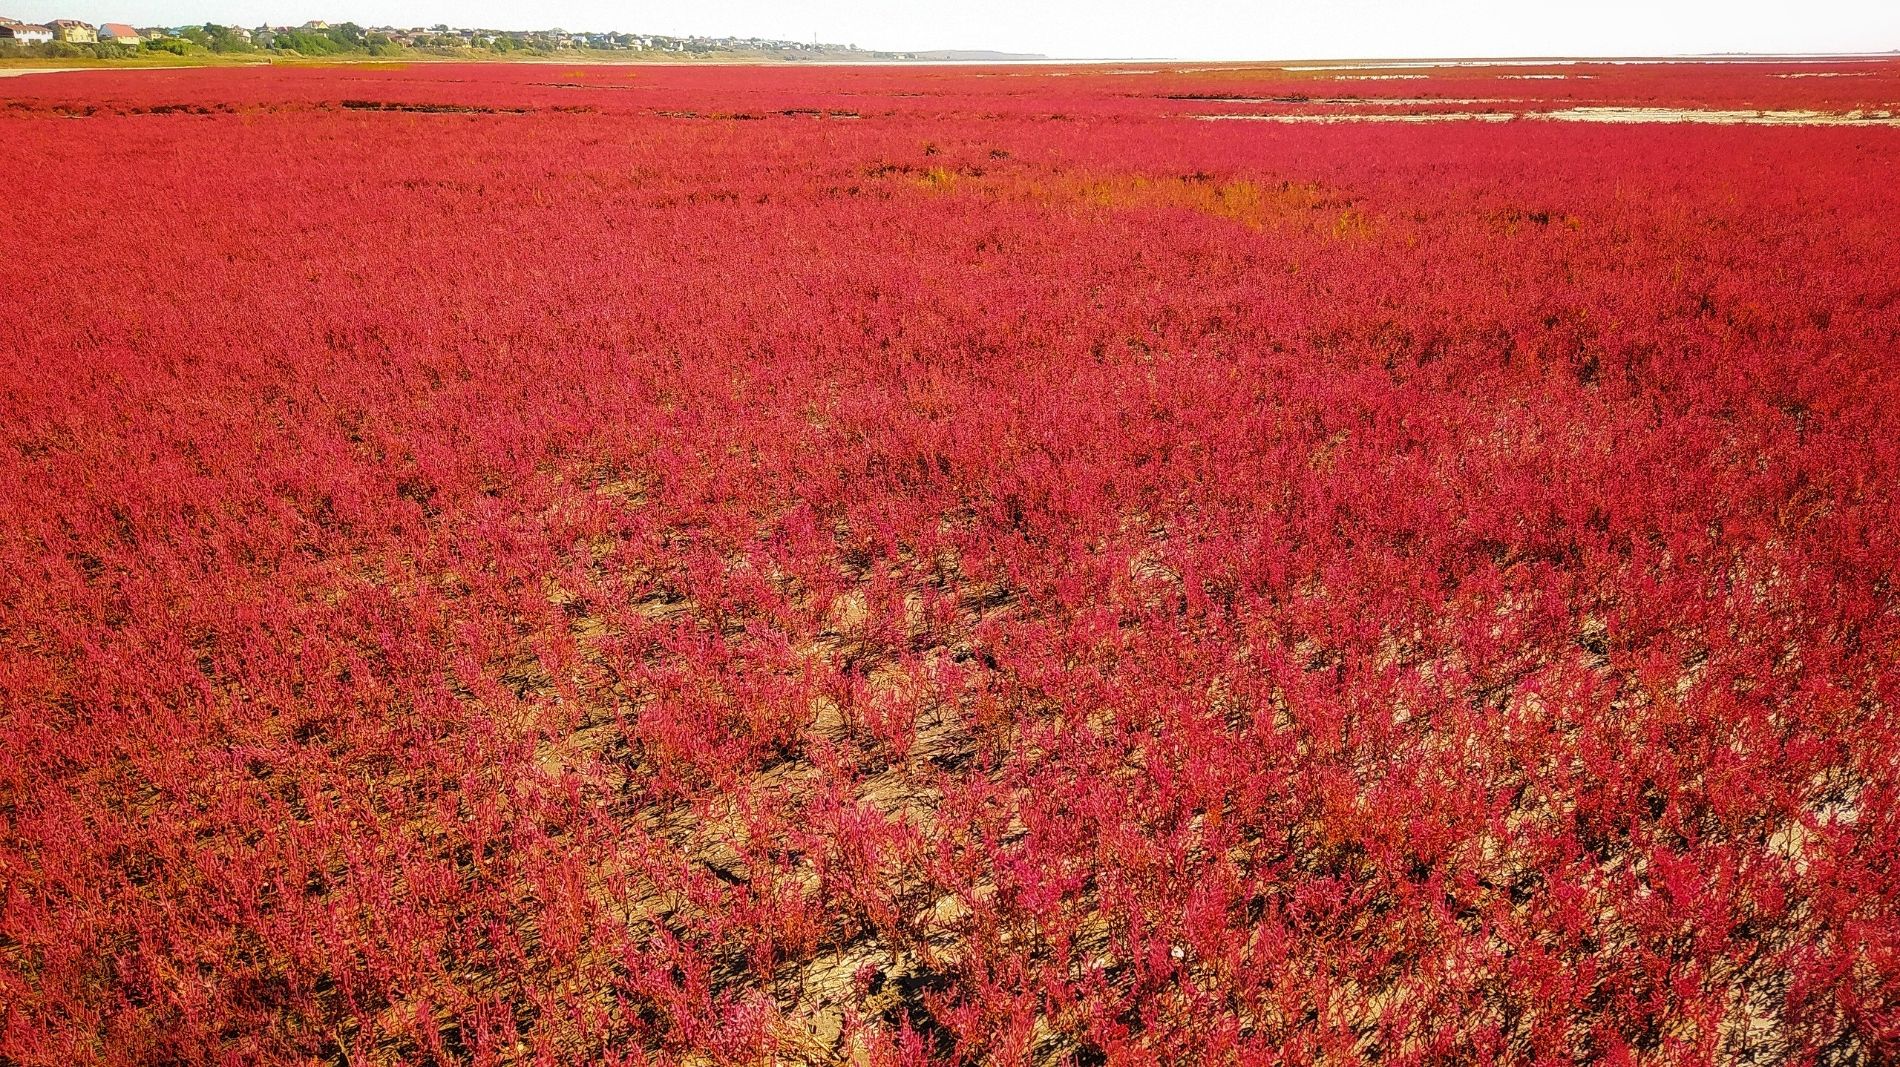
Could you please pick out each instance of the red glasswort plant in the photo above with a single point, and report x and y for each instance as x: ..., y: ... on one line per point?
x: 895, y: 566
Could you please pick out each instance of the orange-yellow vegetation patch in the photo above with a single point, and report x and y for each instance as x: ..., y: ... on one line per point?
x: 1257, y: 205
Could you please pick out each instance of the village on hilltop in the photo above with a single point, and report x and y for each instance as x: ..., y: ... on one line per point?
x: 73, y: 38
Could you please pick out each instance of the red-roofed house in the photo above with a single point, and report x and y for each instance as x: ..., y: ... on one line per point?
x: 118, y: 33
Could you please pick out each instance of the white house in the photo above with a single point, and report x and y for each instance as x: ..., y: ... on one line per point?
x: 26, y: 33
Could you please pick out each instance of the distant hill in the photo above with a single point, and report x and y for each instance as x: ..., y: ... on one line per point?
x: 975, y: 55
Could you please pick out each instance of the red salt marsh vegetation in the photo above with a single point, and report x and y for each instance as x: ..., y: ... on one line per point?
x: 531, y: 565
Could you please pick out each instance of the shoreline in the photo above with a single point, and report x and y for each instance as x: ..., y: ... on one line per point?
x: 10, y: 68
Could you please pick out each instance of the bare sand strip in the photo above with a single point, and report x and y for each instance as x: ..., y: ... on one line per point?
x: 1360, y: 101
x: 1722, y: 118
x: 17, y: 72
x: 20, y: 72
x: 1611, y: 115
x: 1436, y: 116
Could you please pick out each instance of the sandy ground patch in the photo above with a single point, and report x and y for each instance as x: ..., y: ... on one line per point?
x: 1365, y: 101
x: 15, y: 72
x: 18, y: 72
x: 1722, y: 118
x: 1439, y: 116
x: 1435, y: 64
x: 1610, y: 115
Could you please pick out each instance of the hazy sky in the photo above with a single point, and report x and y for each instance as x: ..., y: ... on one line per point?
x: 1265, y: 29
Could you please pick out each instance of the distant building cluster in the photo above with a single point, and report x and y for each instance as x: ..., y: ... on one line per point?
x: 447, y: 36
x: 71, y: 31
x: 323, y: 37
